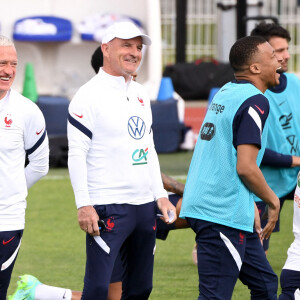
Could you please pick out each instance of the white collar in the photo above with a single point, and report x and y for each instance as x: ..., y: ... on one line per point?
x: 117, y: 81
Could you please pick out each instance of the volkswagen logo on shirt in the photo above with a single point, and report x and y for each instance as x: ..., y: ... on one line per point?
x: 136, y: 127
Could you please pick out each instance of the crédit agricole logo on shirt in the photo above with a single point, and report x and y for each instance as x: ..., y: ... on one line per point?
x: 139, y: 157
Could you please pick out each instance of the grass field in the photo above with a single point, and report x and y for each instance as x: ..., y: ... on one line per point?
x: 53, y: 246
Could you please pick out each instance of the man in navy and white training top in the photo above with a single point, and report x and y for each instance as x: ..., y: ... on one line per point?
x: 224, y: 175
x: 114, y: 168
x: 290, y: 274
x: 22, y: 131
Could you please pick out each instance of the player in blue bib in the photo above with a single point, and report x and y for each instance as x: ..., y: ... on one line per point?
x: 224, y: 174
x: 280, y: 171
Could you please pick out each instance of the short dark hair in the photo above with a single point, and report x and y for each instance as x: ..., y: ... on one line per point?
x: 243, y: 50
x: 269, y: 30
x: 97, y: 59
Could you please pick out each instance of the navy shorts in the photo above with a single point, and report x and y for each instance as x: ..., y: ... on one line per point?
x: 226, y: 254
x: 161, y: 233
x: 118, y: 270
x: 10, y: 242
x: 130, y: 231
x: 290, y: 283
x: 261, y: 205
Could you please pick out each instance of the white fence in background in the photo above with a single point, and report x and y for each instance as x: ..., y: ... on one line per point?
x: 288, y: 13
x: 202, y: 27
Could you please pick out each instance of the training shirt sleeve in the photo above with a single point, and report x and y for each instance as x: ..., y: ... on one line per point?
x: 80, y: 126
x: 277, y: 160
x: 249, y: 121
x: 36, y: 146
x: 157, y: 185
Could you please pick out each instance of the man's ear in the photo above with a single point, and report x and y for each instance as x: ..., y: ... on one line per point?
x: 255, y: 69
x: 104, y: 48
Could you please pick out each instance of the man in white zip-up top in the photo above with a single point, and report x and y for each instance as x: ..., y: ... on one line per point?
x: 290, y: 274
x: 22, y: 131
x: 114, y: 169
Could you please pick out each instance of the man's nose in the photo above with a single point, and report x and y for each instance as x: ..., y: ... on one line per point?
x: 286, y: 55
x: 136, y: 52
x: 8, y: 69
x: 279, y: 58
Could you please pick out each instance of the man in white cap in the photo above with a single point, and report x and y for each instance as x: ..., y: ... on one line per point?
x: 114, y: 168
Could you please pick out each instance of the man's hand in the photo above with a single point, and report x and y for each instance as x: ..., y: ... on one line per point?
x: 167, y: 209
x: 88, y: 220
x: 257, y: 224
x: 295, y: 161
x: 272, y: 219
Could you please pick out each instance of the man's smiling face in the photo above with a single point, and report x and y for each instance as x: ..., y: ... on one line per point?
x: 8, y: 64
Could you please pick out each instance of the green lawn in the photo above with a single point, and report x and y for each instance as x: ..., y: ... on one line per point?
x: 175, y: 164
x: 53, y: 246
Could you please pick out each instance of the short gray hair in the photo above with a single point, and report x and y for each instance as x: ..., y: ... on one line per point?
x: 5, y: 41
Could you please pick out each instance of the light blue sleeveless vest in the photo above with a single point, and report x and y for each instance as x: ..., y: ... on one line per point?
x: 214, y: 192
x: 284, y: 119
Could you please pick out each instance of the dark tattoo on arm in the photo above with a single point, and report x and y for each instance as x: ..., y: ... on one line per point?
x: 172, y: 185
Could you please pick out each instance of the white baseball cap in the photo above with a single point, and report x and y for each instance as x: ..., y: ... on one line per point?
x: 125, y: 31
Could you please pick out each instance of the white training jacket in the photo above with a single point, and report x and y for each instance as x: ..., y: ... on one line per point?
x: 293, y: 259
x: 22, y: 130
x: 112, y: 159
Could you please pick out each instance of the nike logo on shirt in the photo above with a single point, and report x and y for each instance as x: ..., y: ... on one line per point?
x: 79, y: 116
x: 38, y: 132
x: 260, y: 110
